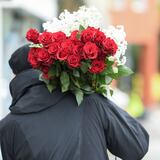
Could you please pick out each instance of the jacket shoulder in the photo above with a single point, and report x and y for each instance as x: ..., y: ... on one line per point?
x: 99, y: 101
x: 7, y: 123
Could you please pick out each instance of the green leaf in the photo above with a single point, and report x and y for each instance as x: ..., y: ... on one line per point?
x: 114, y: 75
x: 108, y: 80
x: 55, y: 70
x: 65, y: 81
x: 84, y: 67
x: 109, y: 61
x: 115, y: 70
x: 52, y: 71
x: 104, y: 94
x: 78, y: 35
x: 79, y: 96
x: 76, y: 73
x: 75, y: 82
x: 50, y: 87
x: 111, y: 92
x: 102, y: 90
x: 87, y: 89
x: 101, y: 79
x: 124, y: 71
x: 58, y: 69
x: 81, y: 28
x: 108, y: 70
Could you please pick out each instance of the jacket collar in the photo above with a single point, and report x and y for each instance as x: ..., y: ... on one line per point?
x: 22, y: 81
x: 30, y: 94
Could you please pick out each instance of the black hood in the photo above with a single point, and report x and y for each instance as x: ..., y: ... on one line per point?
x: 19, y: 60
x: 30, y: 95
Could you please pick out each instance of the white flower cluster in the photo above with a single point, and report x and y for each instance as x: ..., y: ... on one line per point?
x: 85, y: 17
x: 69, y: 22
x: 119, y: 36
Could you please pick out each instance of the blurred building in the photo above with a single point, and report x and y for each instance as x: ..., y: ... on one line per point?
x: 141, y: 21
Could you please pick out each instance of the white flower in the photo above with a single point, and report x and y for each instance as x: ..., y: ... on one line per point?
x: 53, y: 26
x: 68, y: 22
x: 119, y: 36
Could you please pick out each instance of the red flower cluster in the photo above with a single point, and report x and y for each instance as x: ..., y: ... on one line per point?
x: 89, y: 45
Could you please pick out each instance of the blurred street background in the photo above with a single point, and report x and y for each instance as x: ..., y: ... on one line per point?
x: 138, y: 94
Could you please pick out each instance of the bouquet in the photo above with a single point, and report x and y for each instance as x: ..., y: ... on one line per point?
x: 75, y: 53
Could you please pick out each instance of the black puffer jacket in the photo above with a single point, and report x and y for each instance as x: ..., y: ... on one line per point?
x: 45, y: 126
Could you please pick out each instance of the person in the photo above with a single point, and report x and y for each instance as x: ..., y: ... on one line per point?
x: 49, y: 126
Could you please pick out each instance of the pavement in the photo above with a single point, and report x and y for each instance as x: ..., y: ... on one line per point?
x: 152, y: 125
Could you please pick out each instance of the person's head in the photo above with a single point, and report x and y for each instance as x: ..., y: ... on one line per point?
x: 19, y: 60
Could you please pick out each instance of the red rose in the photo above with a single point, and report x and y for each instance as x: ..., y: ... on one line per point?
x: 97, y: 66
x: 99, y: 37
x: 45, y: 69
x: 88, y: 34
x: 101, y: 55
x: 67, y: 46
x: 53, y: 49
x: 32, y: 57
x: 78, y: 48
x: 63, y: 55
x: 45, y: 76
x: 45, y: 38
x: 44, y: 57
x: 73, y: 61
x: 110, y: 46
x: 32, y: 35
x: 73, y: 35
x: 90, y: 50
x: 58, y: 36
x: 32, y: 60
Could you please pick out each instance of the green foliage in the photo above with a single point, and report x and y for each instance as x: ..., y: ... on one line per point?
x: 84, y: 67
x: 80, y: 81
x: 102, y: 90
x: 55, y: 70
x: 81, y: 28
x: 124, y: 71
x: 52, y: 71
x: 76, y: 73
x: 65, y: 81
x: 108, y: 80
x: 78, y: 35
x: 79, y: 96
x: 51, y: 87
x: 111, y: 92
x: 109, y: 61
x: 117, y: 72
